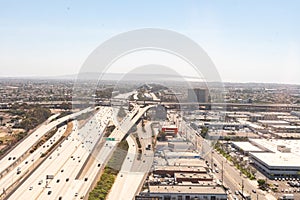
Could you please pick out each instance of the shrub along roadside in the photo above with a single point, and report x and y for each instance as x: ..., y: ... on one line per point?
x: 109, y: 174
x: 237, y: 164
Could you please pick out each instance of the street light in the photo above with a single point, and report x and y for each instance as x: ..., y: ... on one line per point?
x: 242, y: 187
x: 222, y: 173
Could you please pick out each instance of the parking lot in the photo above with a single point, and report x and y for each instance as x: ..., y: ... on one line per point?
x: 286, y: 186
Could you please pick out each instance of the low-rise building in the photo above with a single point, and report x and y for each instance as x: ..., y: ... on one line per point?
x: 281, y: 159
x: 183, y: 192
x: 273, y: 122
x: 192, y: 177
x: 170, y: 129
x: 277, y: 164
x: 182, y: 154
x: 246, y: 147
x: 171, y: 170
x: 286, y: 128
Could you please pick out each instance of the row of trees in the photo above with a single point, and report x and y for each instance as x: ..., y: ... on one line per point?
x: 34, y: 117
x: 103, y: 186
x: 29, y: 120
x: 104, y: 93
x: 241, y: 165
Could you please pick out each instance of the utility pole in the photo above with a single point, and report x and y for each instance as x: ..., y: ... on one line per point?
x: 242, y: 187
x: 222, y: 173
x: 211, y: 160
x: 185, y: 127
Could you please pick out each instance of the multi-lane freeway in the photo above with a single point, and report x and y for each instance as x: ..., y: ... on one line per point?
x: 27, y: 164
x: 8, y: 162
x: 72, y: 166
x: 57, y: 176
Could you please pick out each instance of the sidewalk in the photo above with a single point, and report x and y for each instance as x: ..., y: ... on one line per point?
x: 270, y: 197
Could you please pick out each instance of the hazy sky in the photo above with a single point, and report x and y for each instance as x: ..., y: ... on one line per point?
x: 249, y: 41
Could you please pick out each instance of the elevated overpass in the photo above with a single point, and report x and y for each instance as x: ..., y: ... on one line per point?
x: 15, y: 155
x: 106, y: 151
x: 226, y: 106
x: 127, y: 123
x: 182, y: 105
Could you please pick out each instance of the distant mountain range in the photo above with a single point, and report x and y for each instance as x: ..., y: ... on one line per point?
x: 147, y: 77
x: 112, y: 76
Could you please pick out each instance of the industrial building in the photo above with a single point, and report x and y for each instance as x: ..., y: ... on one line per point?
x: 183, y: 192
x: 281, y: 159
x: 194, y: 178
x: 171, y: 170
x: 187, y: 178
x: 169, y: 129
x: 246, y: 147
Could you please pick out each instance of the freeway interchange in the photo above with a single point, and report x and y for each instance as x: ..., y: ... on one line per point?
x: 72, y: 163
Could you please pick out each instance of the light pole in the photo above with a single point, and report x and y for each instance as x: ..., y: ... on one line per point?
x: 211, y: 157
x: 222, y: 173
x: 242, y: 187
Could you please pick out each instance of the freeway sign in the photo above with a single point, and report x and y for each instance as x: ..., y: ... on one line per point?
x: 110, y: 139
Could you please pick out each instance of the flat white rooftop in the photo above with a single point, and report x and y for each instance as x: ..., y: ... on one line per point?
x: 287, y: 135
x: 187, y: 189
x: 286, y: 126
x: 273, y: 122
x: 275, y: 113
x: 277, y: 158
x: 287, y: 117
x: 247, y: 146
x: 186, y: 162
x: 284, y: 160
x: 251, y: 125
x: 272, y: 144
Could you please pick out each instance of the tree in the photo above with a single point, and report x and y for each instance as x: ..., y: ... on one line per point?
x: 226, y: 138
x: 234, y: 160
x: 34, y: 117
x: 253, y: 170
x: 66, y: 106
x: 262, y: 184
x: 161, y: 136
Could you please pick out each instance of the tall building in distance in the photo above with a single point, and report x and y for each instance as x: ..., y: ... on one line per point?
x: 199, y: 95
